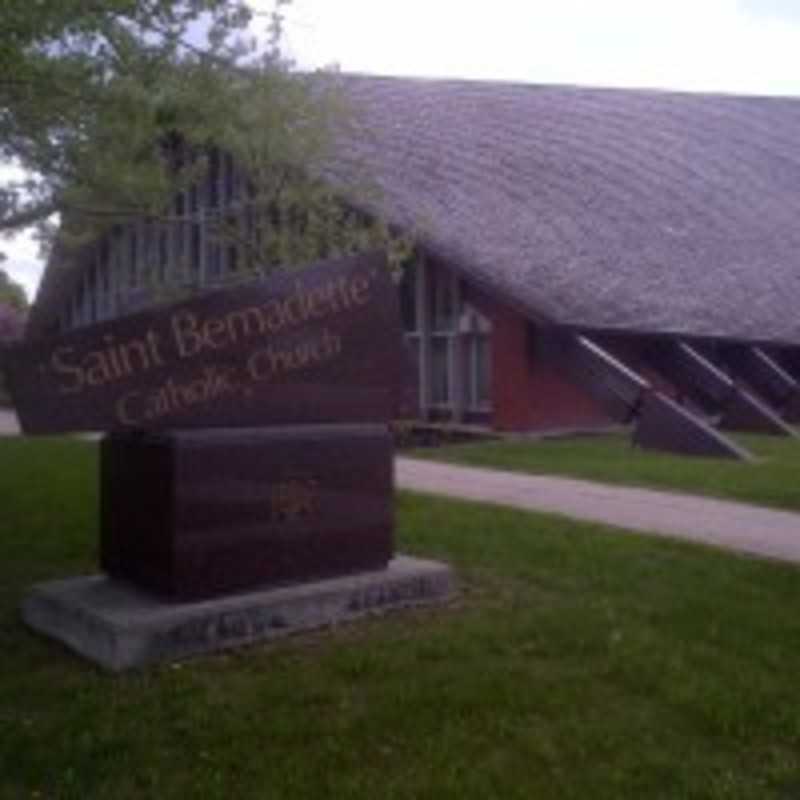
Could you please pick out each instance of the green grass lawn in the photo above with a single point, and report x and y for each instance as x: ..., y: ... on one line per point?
x: 577, y: 662
x: 774, y: 480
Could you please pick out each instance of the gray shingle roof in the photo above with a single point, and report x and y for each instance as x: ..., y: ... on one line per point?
x: 600, y: 208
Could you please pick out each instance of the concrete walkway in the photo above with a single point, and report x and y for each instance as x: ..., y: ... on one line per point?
x: 735, y: 526
x: 8, y: 423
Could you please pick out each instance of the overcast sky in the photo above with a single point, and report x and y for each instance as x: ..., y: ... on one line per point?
x: 710, y: 45
x: 745, y: 46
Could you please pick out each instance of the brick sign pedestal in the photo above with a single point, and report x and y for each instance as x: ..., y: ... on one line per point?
x: 194, y: 514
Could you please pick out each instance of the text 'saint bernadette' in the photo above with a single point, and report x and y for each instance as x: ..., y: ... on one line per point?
x: 189, y: 335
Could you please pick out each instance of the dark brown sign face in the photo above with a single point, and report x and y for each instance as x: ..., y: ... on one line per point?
x: 323, y: 344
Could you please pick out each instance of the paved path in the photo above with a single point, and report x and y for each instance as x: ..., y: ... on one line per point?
x: 8, y: 423
x: 736, y: 526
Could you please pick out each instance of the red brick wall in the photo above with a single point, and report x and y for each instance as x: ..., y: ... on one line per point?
x: 513, y: 384
x: 526, y: 394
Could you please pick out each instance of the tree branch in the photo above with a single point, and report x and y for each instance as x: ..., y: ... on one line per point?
x: 29, y: 215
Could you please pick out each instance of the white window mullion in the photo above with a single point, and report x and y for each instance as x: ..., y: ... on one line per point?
x: 458, y: 381
x: 424, y: 327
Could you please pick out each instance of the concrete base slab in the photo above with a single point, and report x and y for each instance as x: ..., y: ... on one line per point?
x: 121, y: 627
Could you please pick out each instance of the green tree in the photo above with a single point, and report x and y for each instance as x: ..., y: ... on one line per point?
x: 93, y: 93
x: 11, y: 293
x: 87, y: 89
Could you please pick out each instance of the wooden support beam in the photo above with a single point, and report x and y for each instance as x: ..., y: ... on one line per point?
x: 661, y: 423
x: 761, y: 373
x: 613, y: 385
x: 668, y: 426
x: 746, y: 412
x: 710, y: 388
x: 692, y: 375
x: 788, y: 359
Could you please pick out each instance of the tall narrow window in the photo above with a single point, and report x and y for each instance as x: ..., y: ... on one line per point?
x: 163, y: 254
x: 92, y: 292
x: 178, y: 234
x: 77, y: 307
x: 441, y: 371
x: 212, y: 178
x: 229, y: 179
x: 408, y: 300
x: 116, y: 266
x: 146, y: 259
x: 133, y: 257
x: 213, y: 259
x: 194, y: 251
x: 230, y: 262
x: 81, y: 309
x: 442, y: 302
x: 103, y: 291
x: 476, y: 354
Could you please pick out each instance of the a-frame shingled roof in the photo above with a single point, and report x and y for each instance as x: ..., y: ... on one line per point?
x: 600, y: 208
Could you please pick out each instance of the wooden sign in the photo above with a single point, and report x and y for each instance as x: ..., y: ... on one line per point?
x: 323, y: 344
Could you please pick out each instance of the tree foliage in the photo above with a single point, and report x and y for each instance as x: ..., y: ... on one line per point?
x: 11, y: 293
x: 86, y: 90
x: 90, y: 92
